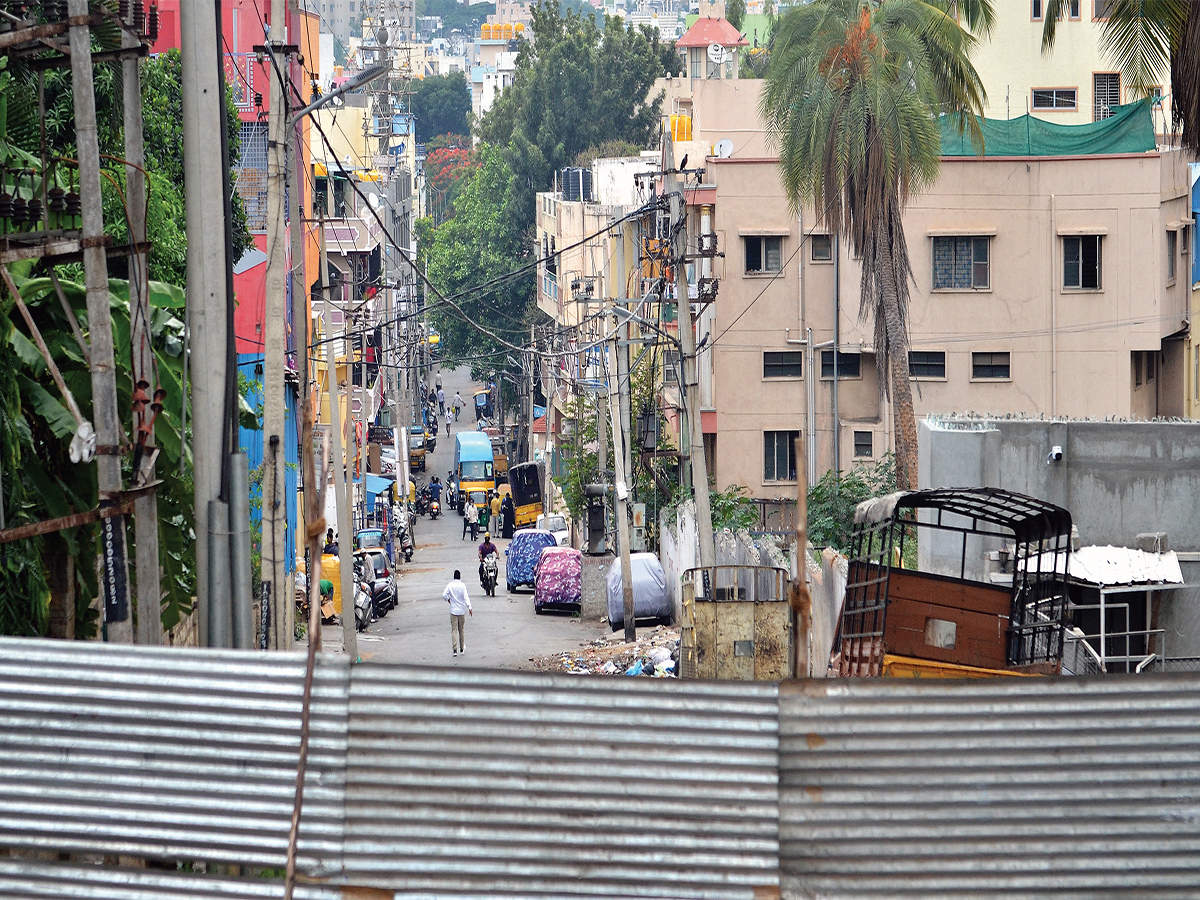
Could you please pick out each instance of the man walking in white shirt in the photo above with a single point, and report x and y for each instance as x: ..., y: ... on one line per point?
x: 460, y: 607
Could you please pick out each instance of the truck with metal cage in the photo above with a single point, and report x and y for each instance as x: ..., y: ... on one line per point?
x: 919, y: 601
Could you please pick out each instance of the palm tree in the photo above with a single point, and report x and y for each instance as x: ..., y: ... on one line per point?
x: 1144, y: 38
x: 852, y: 99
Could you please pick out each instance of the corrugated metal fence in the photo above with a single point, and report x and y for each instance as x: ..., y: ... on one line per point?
x: 1017, y: 786
x: 458, y: 783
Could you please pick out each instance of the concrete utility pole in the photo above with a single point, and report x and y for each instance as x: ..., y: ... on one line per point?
x: 621, y: 490
x: 203, y: 107
x: 274, y: 505
x: 530, y: 382
x: 115, y: 576
x: 687, y: 340
x: 340, y: 489
x: 145, y: 506
x: 624, y: 384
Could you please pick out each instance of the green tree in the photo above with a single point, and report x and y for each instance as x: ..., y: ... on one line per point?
x: 476, y: 245
x: 576, y: 85
x: 852, y: 98
x: 1145, y: 38
x: 441, y: 104
x: 735, y: 11
x: 832, y: 499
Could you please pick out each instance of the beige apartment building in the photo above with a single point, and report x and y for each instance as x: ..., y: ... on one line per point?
x: 1042, y: 286
x: 1076, y: 82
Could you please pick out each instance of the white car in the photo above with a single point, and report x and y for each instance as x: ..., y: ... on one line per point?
x: 557, y: 526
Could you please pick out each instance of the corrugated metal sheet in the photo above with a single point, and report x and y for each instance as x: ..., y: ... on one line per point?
x: 465, y: 783
x: 25, y: 880
x: 166, y: 753
x: 1013, y: 786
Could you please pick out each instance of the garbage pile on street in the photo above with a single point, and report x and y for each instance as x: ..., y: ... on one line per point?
x: 655, y: 654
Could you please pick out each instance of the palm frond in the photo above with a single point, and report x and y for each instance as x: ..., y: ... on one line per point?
x: 1138, y: 38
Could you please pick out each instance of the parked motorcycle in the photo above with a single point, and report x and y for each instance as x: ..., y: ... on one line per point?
x: 363, y: 607
x: 423, y: 498
x: 491, y: 572
x: 406, y: 542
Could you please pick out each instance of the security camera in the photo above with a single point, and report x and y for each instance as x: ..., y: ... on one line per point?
x: 1055, y: 454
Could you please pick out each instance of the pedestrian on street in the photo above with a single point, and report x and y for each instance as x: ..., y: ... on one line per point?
x: 441, y: 398
x: 496, y: 505
x: 460, y: 607
x: 508, y: 512
x: 471, y: 520
x: 485, y: 513
x: 458, y: 405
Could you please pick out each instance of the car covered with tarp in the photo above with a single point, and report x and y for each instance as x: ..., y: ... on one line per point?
x: 558, y: 579
x: 651, y: 600
x: 521, y: 557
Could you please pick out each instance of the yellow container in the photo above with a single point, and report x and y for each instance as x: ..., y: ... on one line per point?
x: 486, y: 32
x: 331, y: 569
x: 911, y: 667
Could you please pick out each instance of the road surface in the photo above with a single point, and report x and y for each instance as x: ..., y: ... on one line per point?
x: 503, y: 632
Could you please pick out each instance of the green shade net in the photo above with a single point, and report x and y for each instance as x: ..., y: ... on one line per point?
x: 1128, y: 130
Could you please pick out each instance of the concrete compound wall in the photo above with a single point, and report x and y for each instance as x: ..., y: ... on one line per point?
x: 1117, y: 479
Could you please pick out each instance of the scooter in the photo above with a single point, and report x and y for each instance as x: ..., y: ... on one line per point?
x: 422, y: 505
x: 363, y: 607
x: 406, y: 543
x: 435, y: 509
x: 491, y: 572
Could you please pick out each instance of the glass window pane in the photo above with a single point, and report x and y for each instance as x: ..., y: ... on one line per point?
x: 773, y: 245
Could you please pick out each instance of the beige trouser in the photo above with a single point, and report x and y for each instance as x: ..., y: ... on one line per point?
x: 456, y: 622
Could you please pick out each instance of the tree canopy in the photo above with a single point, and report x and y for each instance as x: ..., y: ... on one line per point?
x: 441, y: 104
x: 576, y: 86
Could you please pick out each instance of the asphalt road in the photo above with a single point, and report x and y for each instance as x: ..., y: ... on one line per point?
x: 503, y: 632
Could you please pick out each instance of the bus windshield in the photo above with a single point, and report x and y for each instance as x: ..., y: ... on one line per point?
x: 478, y: 470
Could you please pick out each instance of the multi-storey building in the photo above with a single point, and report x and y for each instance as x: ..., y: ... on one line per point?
x: 1043, y: 285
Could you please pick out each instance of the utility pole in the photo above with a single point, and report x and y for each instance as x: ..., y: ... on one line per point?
x: 340, y: 490
x: 621, y: 491
x: 145, y: 506
x: 104, y: 384
x: 274, y: 506
x: 203, y: 107
x: 687, y: 340
x: 529, y: 417
x: 624, y: 384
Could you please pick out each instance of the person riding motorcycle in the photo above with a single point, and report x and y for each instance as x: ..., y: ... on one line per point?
x: 484, y: 549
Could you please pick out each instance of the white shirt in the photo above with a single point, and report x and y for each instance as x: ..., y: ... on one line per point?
x: 456, y: 595
x: 471, y: 512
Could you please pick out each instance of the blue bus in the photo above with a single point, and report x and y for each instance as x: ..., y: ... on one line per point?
x: 474, y: 467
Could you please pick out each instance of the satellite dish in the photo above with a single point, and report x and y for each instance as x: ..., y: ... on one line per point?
x: 381, y: 36
x: 374, y: 200
x: 723, y: 148
x: 716, y: 54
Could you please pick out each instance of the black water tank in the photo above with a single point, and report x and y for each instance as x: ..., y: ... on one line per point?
x: 575, y: 183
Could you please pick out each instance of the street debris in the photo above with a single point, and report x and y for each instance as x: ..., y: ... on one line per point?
x: 654, y: 654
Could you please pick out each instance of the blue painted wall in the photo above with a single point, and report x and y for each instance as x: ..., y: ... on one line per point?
x: 250, y: 442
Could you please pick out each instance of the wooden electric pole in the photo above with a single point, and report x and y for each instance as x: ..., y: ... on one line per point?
x: 145, y: 506
x: 115, y: 572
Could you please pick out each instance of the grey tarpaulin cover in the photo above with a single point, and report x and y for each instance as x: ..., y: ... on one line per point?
x: 650, y: 598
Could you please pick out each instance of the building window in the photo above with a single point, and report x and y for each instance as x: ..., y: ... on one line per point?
x: 1102, y: 9
x: 1106, y: 94
x: 849, y: 365
x: 927, y: 364
x: 783, y: 364
x: 763, y: 254
x: 1172, y: 252
x: 990, y: 366
x: 863, y: 443
x: 1073, y: 9
x: 961, y: 263
x: 1082, y: 261
x: 779, y: 455
x: 822, y: 248
x: 1054, y: 98
x: 671, y: 366
x: 1036, y: 12
x: 696, y: 61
